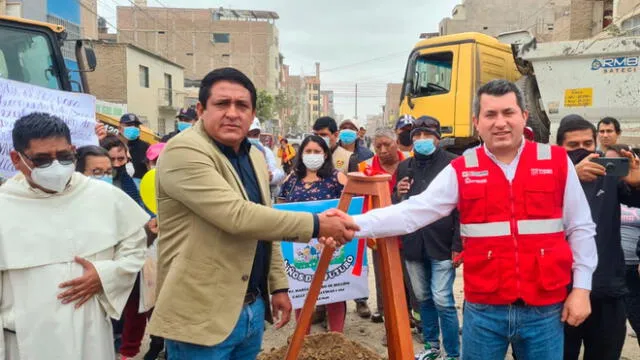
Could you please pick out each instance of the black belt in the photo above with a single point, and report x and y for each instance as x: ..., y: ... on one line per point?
x: 519, y: 302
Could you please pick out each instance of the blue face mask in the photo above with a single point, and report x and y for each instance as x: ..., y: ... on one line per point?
x: 424, y: 146
x: 348, y: 136
x: 131, y: 133
x: 106, y: 178
x: 182, y: 126
x: 256, y: 142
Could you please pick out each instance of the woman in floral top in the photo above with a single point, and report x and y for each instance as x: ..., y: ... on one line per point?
x: 314, y: 178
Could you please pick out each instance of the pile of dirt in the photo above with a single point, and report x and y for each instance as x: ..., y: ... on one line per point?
x: 325, y: 346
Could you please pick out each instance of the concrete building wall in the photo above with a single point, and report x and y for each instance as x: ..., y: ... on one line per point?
x: 392, y: 104
x: 151, y: 103
x: 498, y: 16
x: 109, y: 81
x: 117, y: 80
x: 32, y: 9
x: 186, y: 36
x: 625, y: 7
x: 89, y: 19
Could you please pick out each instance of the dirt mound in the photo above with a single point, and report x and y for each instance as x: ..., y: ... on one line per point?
x: 325, y: 346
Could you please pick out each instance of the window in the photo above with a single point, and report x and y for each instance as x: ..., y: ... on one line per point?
x: 315, y: 107
x: 143, y: 75
x: 432, y: 74
x: 316, y: 87
x: 221, y: 38
x: 632, y: 25
x: 167, y: 81
x: 315, y: 97
x: 168, y: 89
x: 25, y: 56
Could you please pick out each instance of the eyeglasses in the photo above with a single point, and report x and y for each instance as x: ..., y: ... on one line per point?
x: 44, y: 161
x: 101, y: 172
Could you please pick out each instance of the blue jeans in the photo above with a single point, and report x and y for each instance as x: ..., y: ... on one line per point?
x: 243, y: 343
x: 534, y: 332
x: 432, y: 282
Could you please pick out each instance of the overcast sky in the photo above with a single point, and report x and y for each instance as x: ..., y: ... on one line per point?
x: 356, y: 41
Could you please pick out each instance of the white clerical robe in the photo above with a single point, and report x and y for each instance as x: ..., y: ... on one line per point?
x: 40, y: 234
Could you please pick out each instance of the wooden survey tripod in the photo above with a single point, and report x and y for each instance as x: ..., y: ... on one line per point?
x: 396, y: 313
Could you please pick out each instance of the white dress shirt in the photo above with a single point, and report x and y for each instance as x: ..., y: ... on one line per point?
x: 276, y: 172
x: 441, y: 197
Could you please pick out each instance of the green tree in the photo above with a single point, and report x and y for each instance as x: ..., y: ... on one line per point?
x: 292, y: 124
x: 264, y: 106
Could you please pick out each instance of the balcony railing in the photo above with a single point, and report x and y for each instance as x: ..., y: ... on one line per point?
x: 171, y: 99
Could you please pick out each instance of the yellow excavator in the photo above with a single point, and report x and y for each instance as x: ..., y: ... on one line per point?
x: 31, y: 52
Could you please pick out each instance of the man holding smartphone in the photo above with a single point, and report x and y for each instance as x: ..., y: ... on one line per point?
x: 603, y: 333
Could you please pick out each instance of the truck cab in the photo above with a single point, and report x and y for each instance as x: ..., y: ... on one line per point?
x: 30, y: 52
x: 442, y: 76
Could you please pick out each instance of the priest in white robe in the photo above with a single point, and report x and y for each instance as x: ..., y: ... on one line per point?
x: 70, y: 249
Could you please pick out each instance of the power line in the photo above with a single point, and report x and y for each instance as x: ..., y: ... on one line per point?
x: 365, y: 61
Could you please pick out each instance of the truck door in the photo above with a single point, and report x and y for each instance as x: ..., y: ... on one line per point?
x: 433, y: 86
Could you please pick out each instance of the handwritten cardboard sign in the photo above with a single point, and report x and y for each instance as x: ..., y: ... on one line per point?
x: 19, y: 99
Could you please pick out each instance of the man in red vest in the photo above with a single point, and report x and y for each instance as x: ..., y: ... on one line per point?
x: 526, y: 228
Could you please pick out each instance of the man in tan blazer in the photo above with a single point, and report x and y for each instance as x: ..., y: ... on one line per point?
x: 219, y: 259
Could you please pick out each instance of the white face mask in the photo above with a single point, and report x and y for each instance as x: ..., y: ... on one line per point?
x: 130, y: 169
x: 55, y: 177
x: 313, y: 162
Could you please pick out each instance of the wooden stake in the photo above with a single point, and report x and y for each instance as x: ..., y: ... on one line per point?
x: 400, y: 345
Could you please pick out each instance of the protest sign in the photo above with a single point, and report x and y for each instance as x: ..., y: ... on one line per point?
x: 18, y: 99
x: 346, y: 278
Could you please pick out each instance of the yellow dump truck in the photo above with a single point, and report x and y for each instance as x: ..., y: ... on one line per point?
x: 31, y: 52
x: 594, y: 78
x: 442, y: 76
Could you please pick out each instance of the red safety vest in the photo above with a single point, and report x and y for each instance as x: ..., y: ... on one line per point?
x: 513, y: 235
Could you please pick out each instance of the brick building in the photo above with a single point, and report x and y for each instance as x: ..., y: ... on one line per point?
x: 150, y: 85
x: 494, y: 17
x: 326, y: 101
x: 555, y: 20
x: 205, y: 39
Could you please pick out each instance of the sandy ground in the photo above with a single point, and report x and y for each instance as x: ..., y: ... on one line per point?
x: 370, y: 334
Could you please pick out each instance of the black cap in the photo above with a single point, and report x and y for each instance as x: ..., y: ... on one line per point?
x: 428, y: 124
x: 130, y: 119
x: 188, y: 114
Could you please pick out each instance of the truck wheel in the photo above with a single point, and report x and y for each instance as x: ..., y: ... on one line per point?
x: 538, y: 119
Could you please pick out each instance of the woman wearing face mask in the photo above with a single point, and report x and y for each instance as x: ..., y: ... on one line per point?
x: 93, y: 161
x: 314, y: 178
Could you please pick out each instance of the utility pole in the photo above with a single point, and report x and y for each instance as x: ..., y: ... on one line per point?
x: 356, y: 101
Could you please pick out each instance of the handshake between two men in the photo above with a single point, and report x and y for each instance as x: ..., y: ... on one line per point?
x: 336, y: 228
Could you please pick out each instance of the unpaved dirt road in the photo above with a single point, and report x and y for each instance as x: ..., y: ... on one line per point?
x: 370, y: 334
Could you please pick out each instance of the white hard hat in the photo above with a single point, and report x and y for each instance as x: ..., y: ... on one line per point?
x: 255, y: 125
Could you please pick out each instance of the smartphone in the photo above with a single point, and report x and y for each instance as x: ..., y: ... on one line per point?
x: 614, y: 166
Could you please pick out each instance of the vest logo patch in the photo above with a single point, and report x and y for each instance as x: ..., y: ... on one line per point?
x: 474, y: 181
x: 535, y: 172
x: 339, y: 163
x: 466, y: 174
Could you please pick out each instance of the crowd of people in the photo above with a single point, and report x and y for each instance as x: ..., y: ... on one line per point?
x: 549, y: 242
